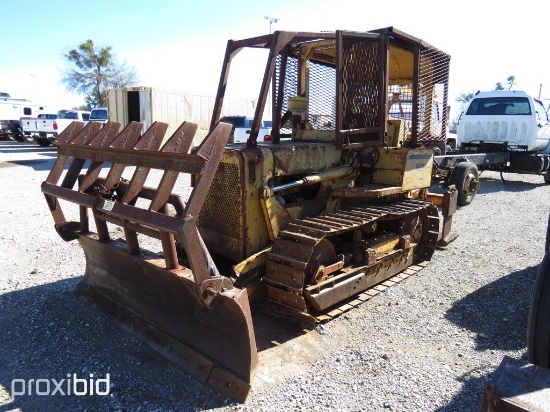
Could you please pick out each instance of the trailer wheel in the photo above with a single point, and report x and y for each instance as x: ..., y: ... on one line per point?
x: 538, y: 329
x: 463, y: 176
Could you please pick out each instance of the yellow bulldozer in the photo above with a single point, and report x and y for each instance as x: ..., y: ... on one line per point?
x: 327, y: 210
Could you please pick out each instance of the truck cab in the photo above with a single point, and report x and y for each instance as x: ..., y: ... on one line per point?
x: 505, y: 117
x: 99, y: 114
x: 242, y: 126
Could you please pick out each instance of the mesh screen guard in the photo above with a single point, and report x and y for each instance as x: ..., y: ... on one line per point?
x: 347, y: 95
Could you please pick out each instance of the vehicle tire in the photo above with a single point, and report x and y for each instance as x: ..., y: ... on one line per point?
x: 538, y: 328
x: 43, y: 141
x: 461, y: 177
x: 547, y: 178
x: 27, y: 136
x: 19, y: 137
x: 9, y: 137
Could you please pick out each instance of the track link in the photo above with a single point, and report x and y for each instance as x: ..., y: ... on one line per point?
x: 304, y: 247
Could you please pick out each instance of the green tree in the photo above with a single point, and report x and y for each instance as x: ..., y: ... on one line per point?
x: 92, y: 70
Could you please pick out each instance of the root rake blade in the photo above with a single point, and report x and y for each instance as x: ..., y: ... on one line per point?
x: 194, y: 316
x: 215, y: 344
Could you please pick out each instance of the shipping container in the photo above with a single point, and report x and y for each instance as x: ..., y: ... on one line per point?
x: 150, y: 104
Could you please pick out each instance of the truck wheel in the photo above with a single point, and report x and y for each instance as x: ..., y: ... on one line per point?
x: 462, y: 177
x: 547, y: 178
x: 19, y: 137
x: 43, y: 141
x: 27, y: 137
x: 538, y: 329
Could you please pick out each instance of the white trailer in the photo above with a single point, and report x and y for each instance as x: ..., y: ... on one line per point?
x: 150, y: 104
x: 14, y: 109
x: 11, y: 111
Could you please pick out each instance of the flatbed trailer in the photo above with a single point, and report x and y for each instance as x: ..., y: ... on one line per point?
x: 463, y: 167
x: 504, y: 131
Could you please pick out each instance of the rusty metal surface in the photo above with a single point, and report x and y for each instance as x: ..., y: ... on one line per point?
x: 373, y: 75
x: 195, y: 309
x: 518, y: 386
x: 289, y: 280
x: 222, y: 335
x: 360, y: 117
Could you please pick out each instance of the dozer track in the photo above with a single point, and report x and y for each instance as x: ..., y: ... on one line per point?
x: 306, y: 277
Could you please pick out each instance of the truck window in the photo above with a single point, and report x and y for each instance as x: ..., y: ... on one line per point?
x: 99, y: 114
x: 542, y: 116
x: 236, y: 121
x: 499, y: 106
x: 85, y: 116
x: 68, y: 115
x: 27, y: 111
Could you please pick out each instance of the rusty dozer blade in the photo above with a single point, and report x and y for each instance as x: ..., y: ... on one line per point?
x: 193, y: 315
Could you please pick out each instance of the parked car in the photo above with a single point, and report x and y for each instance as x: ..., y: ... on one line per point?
x: 11, y: 130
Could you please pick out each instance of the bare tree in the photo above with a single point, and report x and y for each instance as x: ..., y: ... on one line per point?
x: 510, y: 80
x: 92, y: 70
x: 464, y: 97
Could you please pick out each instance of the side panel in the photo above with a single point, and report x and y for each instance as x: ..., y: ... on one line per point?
x: 405, y: 168
x: 231, y: 220
x: 495, y: 129
x: 10, y: 110
x: 172, y: 107
x: 117, y: 106
x: 221, y: 219
x: 146, y: 99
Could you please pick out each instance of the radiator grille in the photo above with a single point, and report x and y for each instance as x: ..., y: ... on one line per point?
x: 222, y: 208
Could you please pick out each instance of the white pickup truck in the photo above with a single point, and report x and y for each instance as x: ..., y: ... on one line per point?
x: 49, y: 129
x: 242, y: 126
x: 29, y: 125
x: 503, y: 131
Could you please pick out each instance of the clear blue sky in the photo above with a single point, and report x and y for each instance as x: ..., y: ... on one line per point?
x: 180, y: 45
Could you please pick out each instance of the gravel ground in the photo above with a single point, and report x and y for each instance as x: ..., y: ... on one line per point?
x: 430, y: 343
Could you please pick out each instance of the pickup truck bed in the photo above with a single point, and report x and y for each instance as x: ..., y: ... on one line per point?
x: 49, y: 129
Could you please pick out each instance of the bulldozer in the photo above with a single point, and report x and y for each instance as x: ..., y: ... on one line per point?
x: 329, y: 209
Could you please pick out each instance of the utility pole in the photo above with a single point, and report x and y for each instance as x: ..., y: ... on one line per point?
x: 271, y: 21
x: 34, y: 86
x: 269, y: 105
